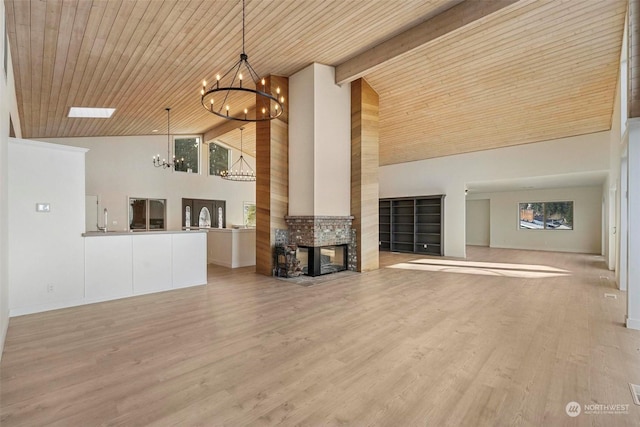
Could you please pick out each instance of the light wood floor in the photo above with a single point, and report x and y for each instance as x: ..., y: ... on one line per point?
x: 390, y: 347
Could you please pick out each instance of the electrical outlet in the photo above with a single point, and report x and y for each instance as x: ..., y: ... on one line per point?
x: 114, y: 222
x: 49, y: 288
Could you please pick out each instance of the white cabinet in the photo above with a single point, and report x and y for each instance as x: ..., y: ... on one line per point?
x: 108, y: 271
x: 232, y: 248
x: 119, y: 265
x: 152, y: 263
x: 189, y: 255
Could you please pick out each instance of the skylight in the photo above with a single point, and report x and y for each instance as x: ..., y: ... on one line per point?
x: 88, y: 112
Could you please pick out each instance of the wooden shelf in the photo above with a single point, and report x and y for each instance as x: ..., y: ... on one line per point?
x: 410, y: 223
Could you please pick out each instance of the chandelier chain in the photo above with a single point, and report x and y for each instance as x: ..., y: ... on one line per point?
x: 243, y: 27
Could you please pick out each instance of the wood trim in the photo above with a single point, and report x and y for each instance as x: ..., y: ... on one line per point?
x: 364, y: 173
x: 272, y: 179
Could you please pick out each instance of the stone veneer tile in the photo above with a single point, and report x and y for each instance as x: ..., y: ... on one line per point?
x: 323, y: 231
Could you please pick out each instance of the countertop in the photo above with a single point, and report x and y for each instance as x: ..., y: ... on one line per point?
x: 222, y: 230
x: 136, y: 233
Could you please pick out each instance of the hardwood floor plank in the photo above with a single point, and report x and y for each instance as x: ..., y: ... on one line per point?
x: 386, y: 347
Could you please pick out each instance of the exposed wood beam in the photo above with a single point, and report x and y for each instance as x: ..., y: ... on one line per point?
x: 225, y: 127
x: 451, y: 20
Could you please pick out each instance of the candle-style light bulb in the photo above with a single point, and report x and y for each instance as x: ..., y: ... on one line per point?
x: 218, y: 77
x: 227, y: 110
x: 282, y: 99
x: 204, y: 83
x: 278, y: 90
x: 202, y: 92
x: 264, y: 110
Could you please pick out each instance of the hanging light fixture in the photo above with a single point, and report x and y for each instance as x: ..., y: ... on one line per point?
x: 164, y: 164
x: 227, y: 97
x: 240, y: 170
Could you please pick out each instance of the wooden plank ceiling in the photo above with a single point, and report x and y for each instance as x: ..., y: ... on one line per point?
x: 532, y: 71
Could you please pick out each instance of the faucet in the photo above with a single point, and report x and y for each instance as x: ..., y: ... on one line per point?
x: 106, y: 215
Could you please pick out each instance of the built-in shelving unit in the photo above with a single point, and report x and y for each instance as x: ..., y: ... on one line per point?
x: 412, y: 224
x: 384, y: 220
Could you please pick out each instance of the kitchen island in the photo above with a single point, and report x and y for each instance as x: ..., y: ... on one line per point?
x: 231, y: 247
x: 122, y: 264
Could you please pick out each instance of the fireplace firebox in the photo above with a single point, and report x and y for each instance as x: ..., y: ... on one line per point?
x: 318, y: 260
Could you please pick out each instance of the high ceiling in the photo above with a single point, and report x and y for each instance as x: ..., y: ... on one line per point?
x: 532, y: 71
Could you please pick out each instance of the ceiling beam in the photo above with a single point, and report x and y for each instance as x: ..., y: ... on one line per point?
x: 453, y: 19
x: 225, y: 127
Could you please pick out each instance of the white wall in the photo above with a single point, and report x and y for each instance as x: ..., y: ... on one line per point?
x: 47, y: 249
x: 585, y: 236
x: 8, y: 107
x: 332, y: 144
x: 319, y: 143
x: 301, y: 142
x: 449, y: 175
x: 120, y: 167
x: 478, y: 222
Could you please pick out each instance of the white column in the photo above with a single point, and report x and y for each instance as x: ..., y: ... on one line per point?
x: 319, y: 143
x: 633, y: 267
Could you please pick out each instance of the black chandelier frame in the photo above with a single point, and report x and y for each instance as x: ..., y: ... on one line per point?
x: 212, y: 100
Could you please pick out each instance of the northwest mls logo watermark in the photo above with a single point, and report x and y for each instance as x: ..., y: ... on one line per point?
x: 573, y: 409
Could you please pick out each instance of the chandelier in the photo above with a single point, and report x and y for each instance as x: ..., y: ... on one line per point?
x: 228, y: 97
x: 240, y: 170
x: 164, y: 164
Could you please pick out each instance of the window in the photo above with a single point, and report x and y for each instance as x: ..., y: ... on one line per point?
x: 147, y: 214
x: 186, y: 151
x: 249, y: 214
x: 219, y: 158
x: 546, y: 216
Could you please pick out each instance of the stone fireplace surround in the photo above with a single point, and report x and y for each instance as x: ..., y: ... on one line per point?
x: 317, y: 231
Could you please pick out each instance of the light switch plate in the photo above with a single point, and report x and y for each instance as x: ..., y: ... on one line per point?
x: 43, y: 207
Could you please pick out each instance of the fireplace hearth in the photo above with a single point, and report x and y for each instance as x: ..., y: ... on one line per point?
x: 319, y: 260
x: 325, y: 244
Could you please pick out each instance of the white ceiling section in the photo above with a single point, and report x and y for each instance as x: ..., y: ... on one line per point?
x: 531, y: 71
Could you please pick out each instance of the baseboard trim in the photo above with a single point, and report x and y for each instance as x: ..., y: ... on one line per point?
x: 15, y: 312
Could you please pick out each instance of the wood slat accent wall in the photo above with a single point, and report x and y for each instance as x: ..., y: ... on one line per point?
x: 364, y: 172
x: 272, y: 183
x: 634, y: 59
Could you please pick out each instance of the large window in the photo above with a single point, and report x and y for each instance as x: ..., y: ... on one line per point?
x: 147, y: 214
x: 249, y: 209
x: 546, y: 215
x: 186, y: 150
x: 219, y: 158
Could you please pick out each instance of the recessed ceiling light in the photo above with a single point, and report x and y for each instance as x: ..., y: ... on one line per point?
x: 94, y: 113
